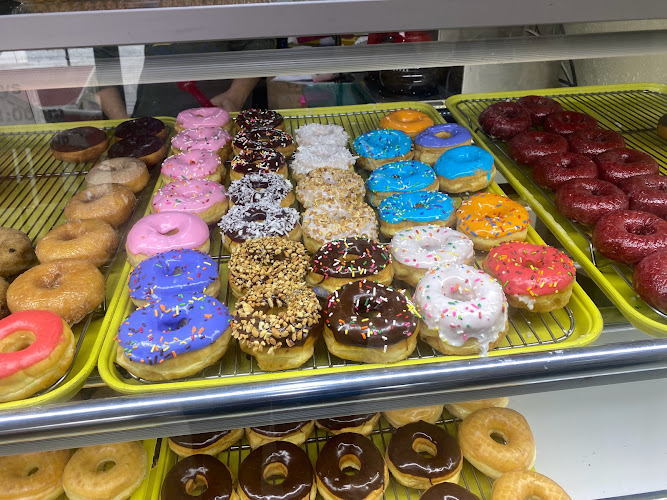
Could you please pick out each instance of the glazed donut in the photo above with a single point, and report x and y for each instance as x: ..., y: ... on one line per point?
x: 266, y: 260
x: 504, y: 120
x: 539, y: 107
x: 36, y: 350
x: 649, y: 280
x: 354, y: 451
x: 526, y: 484
x: 173, y: 339
x: 149, y: 149
x: 157, y: 233
x: 534, y: 277
x: 620, y: 164
x: 336, y: 221
x: 203, y: 117
x: 434, y: 141
x: 399, y: 418
x: 295, y: 433
x: 645, y: 181
x: 400, y: 177
x: 401, y: 211
x: 351, y: 259
x: 447, y: 491
x: 359, y: 424
x: 592, y: 142
x: 325, y: 185
x: 16, y: 252
x: 45, y: 286
x: 417, y: 249
x: 465, y: 168
x: 281, y: 459
x: 627, y: 236
x: 408, y: 121
x: 567, y: 122
x: 252, y: 118
x: 198, y: 470
x: 586, y: 200
x: 312, y: 134
x: 309, y: 158
x: 19, y: 481
x: 278, y: 325
x: 492, y: 458
x: 265, y: 138
x: 647, y: 193
x: 4, y: 310
x: 382, y: 146
x: 553, y: 171
x: 254, y: 188
x: 193, y: 164
x: 662, y: 126
x: 79, y: 144
x: 112, y: 203
x: 92, y: 240
x: 257, y: 161
x: 213, y: 139
x: 528, y: 147
x: 454, y: 318
x: 370, y: 323
x: 206, y: 199
x: 141, y: 126
x: 84, y: 476
x: 208, y: 443
x: 130, y: 172
x: 412, y: 469
x: 490, y: 219
x: 463, y: 410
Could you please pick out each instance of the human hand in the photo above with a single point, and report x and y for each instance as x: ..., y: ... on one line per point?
x: 228, y: 101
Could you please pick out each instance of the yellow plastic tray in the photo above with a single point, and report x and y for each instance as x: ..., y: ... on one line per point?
x: 34, y: 189
x: 578, y: 325
x: 632, y: 110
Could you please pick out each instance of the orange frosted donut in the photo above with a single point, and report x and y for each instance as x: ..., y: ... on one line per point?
x: 410, y: 121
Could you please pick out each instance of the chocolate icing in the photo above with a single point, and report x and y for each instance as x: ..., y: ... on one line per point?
x: 139, y: 126
x: 77, y: 139
x: 331, y: 259
x: 136, y: 146
x: 280, y: 430
x: 447, y: 491
x: 250, y: 161
x: 253, y: 118
x: 339, y: 423
x: 217, y: 477
x: 262, y: 137
x: 199, y: 441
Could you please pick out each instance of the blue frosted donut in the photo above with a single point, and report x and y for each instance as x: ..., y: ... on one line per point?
x: 383, y: 143
x: 401, y: 177
x: 420, y: 206
x: 464, y: 161
x: 177, y: 272
x: 457, y: 135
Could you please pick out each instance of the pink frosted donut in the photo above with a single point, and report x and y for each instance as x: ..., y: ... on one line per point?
x: 165, y: 231
x: 203, y: 117
x: 195, y: 164
x: 212, y: 139
x: 207, y: 199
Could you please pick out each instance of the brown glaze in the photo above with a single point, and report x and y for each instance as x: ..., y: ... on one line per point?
x: 250, y: 161
x: 333, y: 260
x: 217, y: 476
x: 77, y: 139
x: 262, y: 137
x: 199, y: 441
x: 338, y: 423
x: 447, y: 491
x: 139, y: 126
x: 136, y: 146
x: 280, y: 430
x: 253, y: 118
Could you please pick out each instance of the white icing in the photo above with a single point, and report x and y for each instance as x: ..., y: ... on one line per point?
x: 425, y: 247
x: 338, y: 220
x: 313, y: 134
x: 309, y: 158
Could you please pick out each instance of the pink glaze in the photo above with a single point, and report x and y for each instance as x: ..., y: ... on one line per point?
x: 205, y: 138
x: 195, y: 164
x: 149, y: 235
x: 202, y: 117
x: 192, y: 196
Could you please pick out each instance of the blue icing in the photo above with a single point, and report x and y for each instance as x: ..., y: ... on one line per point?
x: 419, y: 206
x: 401, y: 176
x: 463, y: 162
x: 156, y: 278
x: 383, y: 143
x: 162, y: 330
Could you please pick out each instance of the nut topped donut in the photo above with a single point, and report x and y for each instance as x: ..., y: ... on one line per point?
x: 410, y: 121
x: 254, y: 118
x: 254, y: 188
x: 586, y: 200
x: 568, y: 122
x: 553, y: 171
x: 257, y: 161
x: 326, y: 184
x: 620, y: 164
x: 504, y: 120
x: 539, y: 107
x: 337, y: 220
x: 528, y: 147
x: 264, y: 138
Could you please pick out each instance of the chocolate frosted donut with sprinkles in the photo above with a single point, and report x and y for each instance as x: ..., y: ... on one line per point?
x: 265, y: 138
x: 401, y: 211
x: 257, y: 161
x: 254, y: 118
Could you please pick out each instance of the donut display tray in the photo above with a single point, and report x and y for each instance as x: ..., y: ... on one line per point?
x: 578, y: 324
x: 34, y: 189
x: 631, y: 110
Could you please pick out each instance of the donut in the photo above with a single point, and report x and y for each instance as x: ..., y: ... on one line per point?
x: 16, y: 252
x: 206, y: 199
x: 463, y: 410
x: 44, y: 286
x: 476, y: 437
x: 528, y: 147
x: 277, y: 459
x: 157, y: 233
x: 539, y: 107
x: 324, y: 185
x: 463, y: 310
x: 490, y: 219
x: 253, y: 188
x: 465, y: 168
x: 526, y: 484
x: 203, y: 117
x: 447, y: 491
x: 400, y: 177
x: 504, y: 120
x: 567, y: 122
x: 85, y: 477
x: 627, y: 236
x: 586, y: 200
x: 195, y: 471
x: 248, y: 222
x: 434, y: 141
x: 112, y: 203
x: 295, y: 433
x: 173, y: 339
x: 265, y: 138
x: 620, y: 164
x: 33, y: 475
x: 193, y: 164
x: 647, y: 193
x: 207, y: 443
x: 4, y: 310
x: 398, y: 418
x: 266, y: 260
x: 417, y: 249
x: 351, y: 259
x: 649, y: 280
x: 213, y: 139
x: 92, y: 240
x: 130, y: 172
x: 336, y: 221
x: 411, y: 468
x: 369, y: 322
x: 408, y: 121
x: 377, y: 147
x: 141, y: 126
x: 592, y: 142
x: 401, y: 211
x: 278, y: 325
x: 312, y: 134
x: 359, y: 424
x: 37, y: 350
x: 252, y: 118
x: 554, y: 170
x: 351, y: 451
x: 662, y: 126
x: 539, y: 278
x: 148, y: 148
x: 309, y: 158
x: 79, y: 144
x: 257, y: 161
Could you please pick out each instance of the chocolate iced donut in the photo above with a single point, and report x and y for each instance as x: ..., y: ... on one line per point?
x: 207, y: 443
x: 361, y: 424
x: 447, y: 491
x: 254, y: 118
x: 79, y: 144
x: 293, y: 432
x: 264, y: 137
x: 141, y: 126
x: 186, y: 474
x: 257, y: 161
x: 148, y: 148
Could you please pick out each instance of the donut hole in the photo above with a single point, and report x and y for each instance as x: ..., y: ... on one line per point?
x: 349, y: 257
x: 443, y: 135
x: 171, y: 232
x: 425, y: 447
x: 499, y: 437
x: 349, y: 465
x: 176, y: 272
x: 92, y: 197
x: 17, y: 341
x: 641, y: 229
x: 182, y: 323
x: 105, y: 465
x: 197, y: 486
x: 275, y: 473
x: 34, y: 469
x: 52, y: 280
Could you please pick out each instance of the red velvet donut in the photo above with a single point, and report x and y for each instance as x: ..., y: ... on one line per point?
x: 619, y: 164
x: 643, y: 181
x: 527, y: 147
x: 592, y: 142
x: 539, y: 107
x: 627, y: 236
x: 586, y: 200
x: 567, y: 122
x: 555, y: 170
x: 647, y: 193
x: 504, y: 120
x: 650, y: 280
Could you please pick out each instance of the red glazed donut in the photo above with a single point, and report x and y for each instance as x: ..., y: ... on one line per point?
x: 586, y: 200
x: 504, y: 120
x: 619, y: 164
x: 539, y: 107
x: 528, y: 147
x: 555, y: 170
x: 647, y: 193
x: 628, y: 236
x: 592, y: 142
x: 567, y: 122
x: 650, y: 280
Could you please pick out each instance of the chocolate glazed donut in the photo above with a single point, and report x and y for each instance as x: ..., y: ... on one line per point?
x: 199, y: 441
x: 195, y: 470
x: 209, y: 443
x: 447, y: 491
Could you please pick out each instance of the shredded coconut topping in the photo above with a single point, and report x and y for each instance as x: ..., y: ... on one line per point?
x: 313, y: 134
x: 311, y: 157
x: 248, y: 222
x: 254, y: 188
